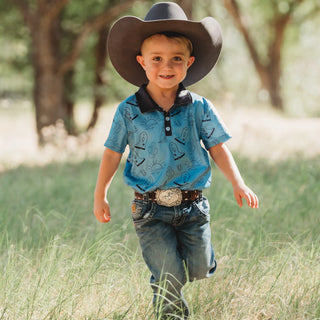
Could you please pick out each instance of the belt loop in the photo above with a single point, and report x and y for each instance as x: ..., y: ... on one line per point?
x: 146, y: 197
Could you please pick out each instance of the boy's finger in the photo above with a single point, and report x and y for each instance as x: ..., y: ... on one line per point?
x: 252, y: 201
x: 107, y: 217
x: 256, y: 201
x: 239, y: 200
x: 248, y: 199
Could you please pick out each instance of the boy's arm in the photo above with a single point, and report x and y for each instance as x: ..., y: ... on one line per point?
x: 108, y: 167
x: 225, y: 162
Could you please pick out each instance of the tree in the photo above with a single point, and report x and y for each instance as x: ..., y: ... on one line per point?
x: 276, y: 16
x: 52, y: 66
x: 100, y: 53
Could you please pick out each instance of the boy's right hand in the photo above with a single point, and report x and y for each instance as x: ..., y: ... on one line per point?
x: 102, y: 211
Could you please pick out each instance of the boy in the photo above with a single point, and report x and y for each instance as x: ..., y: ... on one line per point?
x: 163, y: 124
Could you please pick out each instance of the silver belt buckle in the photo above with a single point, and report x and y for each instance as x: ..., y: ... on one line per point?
x: 169, y: 198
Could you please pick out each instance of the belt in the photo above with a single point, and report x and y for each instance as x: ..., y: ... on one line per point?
x: 170, y: 197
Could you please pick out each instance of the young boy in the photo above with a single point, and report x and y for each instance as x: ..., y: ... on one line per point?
x: 164, y: 125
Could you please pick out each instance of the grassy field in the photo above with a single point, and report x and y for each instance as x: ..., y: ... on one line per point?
x: 58, y: 262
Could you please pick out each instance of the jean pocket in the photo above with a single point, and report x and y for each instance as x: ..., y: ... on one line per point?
x: 141, y: 211
x: 202, y: 207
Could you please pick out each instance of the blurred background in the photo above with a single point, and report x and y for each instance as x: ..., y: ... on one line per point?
x: 58, y: 94
x: 56, y: 83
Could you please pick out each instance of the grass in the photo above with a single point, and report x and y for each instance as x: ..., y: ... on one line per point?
x: 58, y: 262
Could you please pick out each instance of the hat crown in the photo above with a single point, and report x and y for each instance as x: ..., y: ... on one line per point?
x: 165, y: 11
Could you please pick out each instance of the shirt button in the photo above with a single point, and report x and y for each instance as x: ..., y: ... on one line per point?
x: 167, y: 118
x: 168, y: 128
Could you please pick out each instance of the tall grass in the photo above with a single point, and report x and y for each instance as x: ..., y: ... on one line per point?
x: 58, y: 262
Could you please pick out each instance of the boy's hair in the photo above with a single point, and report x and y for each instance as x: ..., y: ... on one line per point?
x: 178, y: 36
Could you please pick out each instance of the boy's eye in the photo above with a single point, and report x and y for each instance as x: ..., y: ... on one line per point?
x: 156, y: 59
x: 177, y: 59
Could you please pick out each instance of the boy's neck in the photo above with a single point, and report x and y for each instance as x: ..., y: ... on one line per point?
x: 164, y: 98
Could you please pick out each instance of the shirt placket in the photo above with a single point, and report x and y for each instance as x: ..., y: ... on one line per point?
x: 167, y: 123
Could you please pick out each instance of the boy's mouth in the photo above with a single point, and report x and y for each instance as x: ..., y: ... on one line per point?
x: 167, y: 76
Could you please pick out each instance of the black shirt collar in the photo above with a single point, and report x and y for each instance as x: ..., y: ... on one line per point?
x: 147, y: 104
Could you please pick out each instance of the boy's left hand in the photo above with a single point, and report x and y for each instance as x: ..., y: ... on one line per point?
x: 244, y: 192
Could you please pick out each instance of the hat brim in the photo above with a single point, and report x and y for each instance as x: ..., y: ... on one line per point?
x: 128, y: 33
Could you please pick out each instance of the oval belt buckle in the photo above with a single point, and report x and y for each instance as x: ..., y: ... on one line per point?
x: 169, y: 198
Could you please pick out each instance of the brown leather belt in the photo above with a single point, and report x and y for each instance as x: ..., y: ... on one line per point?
x: 170, y: 197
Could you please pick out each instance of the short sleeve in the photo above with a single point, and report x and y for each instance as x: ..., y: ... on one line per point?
x: 213, y: 129
x: 118, y: 136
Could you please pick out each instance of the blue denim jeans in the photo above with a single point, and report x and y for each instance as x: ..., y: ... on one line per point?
x: 176, y: 246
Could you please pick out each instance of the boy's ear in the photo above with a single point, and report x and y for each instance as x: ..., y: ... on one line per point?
x: 141, y: 61
x: 191, y: 61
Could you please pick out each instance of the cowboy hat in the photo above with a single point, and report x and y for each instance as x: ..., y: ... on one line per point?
x: 128, y: 33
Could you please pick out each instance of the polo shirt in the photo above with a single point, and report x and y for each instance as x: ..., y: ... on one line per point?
x: 166, y: 149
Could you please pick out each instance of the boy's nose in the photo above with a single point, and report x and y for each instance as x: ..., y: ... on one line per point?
x: 167, y: 64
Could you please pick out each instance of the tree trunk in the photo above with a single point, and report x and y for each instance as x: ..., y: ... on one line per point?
x: 100, y: 58
x: 269, y: 72
x: 43, y: 19
x: 48, y: 84
x: 68, y: 103
x: 274, y: 67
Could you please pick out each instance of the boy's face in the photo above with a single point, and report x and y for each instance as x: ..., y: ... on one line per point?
x: 165, y: 61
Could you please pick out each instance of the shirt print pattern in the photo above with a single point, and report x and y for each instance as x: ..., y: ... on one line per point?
x: 158, y: 160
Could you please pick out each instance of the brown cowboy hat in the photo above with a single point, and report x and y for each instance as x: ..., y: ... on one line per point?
x: 128, y: 33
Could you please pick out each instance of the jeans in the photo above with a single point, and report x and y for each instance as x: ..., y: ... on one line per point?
x: 176, y: 246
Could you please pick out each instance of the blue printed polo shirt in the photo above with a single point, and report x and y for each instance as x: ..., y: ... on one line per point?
x: 167, y: 149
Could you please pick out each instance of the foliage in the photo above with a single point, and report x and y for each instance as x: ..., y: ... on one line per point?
x: 116, y: 88
x: 300, y: 70
x: 234, y: 79
x: 54, y: 50
x: 260, y: 16
x: 15, y: 71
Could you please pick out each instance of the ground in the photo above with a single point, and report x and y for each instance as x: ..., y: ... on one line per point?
x: 257, y: 133
x: 264, y: 133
